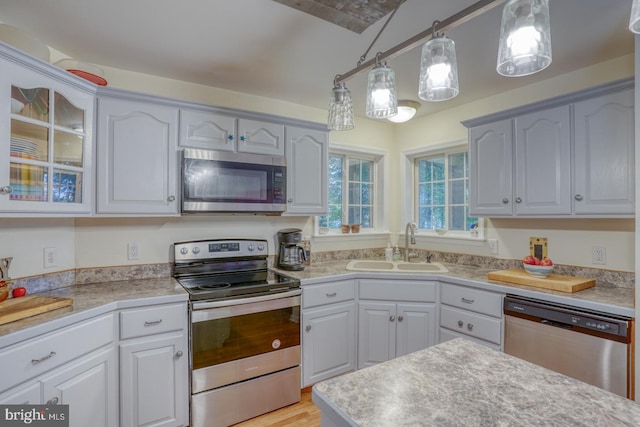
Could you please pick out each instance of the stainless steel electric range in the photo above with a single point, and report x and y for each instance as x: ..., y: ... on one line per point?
x: 245, y: 330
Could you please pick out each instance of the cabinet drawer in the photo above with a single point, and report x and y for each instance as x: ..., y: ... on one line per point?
x: 400, y: 290
x: 472, y: 324
x: 447, y: 334
x: 152, y: 320
x: 472, y: 299
x: 328, y: 293
x: 41, y: 354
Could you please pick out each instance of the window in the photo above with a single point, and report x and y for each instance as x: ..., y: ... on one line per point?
x: 442, y: 187
x: 355, y: 192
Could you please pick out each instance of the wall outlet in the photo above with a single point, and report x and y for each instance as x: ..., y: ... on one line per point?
x: 50, y: 257
x: 133, y: 251
x: 598, y: 255
x: 493, y: 246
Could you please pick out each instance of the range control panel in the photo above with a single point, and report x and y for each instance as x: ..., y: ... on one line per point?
x: 217, y: 249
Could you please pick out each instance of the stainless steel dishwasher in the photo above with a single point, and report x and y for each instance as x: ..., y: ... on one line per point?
x: 589, y: 346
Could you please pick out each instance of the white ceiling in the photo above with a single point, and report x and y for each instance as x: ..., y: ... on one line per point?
x: 268, y: 49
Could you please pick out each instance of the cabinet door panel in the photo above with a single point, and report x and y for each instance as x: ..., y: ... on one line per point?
x: 22, y: 395
x: 416, y: 327
x: 376, y: 333
x: 604, y: 170
x: 543, y: 153
x: 153, y: 380
x: 328, y: 342
x: 491, y: 169
x: 201, y: 129
x: 260, y: 137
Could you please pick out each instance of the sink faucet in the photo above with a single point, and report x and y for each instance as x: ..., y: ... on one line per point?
x: 409, y: 229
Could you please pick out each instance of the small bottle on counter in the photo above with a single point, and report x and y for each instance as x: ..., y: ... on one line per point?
x: 306, y: 245
x: 396, y: 254
x: 388, y: 253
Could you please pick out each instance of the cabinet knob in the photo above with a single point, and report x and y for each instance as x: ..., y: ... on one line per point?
x: 470, y: 326
x: 460, y: 323
x: 392, y: 318
x: 505, y: 200
x: 578, y: 197
x: 290, y: 200
x: 518, y: 200
x: 230, y: 137
x: 53, y: 401
x: 7, y: 189
x: 243, y: 138
x: 307, y: 328
x: 171, y: 198
x: 400, y: 318
x: 179, y: 353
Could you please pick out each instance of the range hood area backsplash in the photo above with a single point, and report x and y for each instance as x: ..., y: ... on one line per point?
x: 76, y: 277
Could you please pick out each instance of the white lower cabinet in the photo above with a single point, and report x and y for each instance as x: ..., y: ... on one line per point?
x: 388, y: 329
x: 328, y: 330
x: 471, y: 313
x: 154, y: 366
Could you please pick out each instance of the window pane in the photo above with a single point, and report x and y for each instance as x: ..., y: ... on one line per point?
x: 424, y: 194
x: 335, y: 217
x: 439, y: 217
x: 438, y: 169
x: 354, y: 170
x: 354, y: 194
x: 367, y: 175
x: 424, y: 171
x: 456, y: 192
x: 424, y: 218
x: 456, y: 166
x: 354, y: 215
x: 366, y: 218
x: 367, y: 198
x: 67, y: 186
x: 67, y: 148
x: 439, y: 193
x: 457, y: 216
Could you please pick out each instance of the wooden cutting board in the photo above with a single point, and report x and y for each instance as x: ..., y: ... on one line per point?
x: 19, y: 308
x: 554, y: 282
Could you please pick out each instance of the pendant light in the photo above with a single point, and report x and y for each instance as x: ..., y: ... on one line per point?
x: 340, y: 107
x: 634, y: 20
x: 438, y: 68
x: 382, y: 101
x: 406, y: 110
x: 525, y: 38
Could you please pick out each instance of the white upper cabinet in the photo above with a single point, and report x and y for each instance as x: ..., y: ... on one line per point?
x: 543, y: 162
x: 568, y: 156
x: 137, y: 158
x: 604, y: 173
x: 46, y: 123
x: 307, y: 153
x: 259, y: 137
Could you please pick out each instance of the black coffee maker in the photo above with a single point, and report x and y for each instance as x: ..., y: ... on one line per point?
x: 291, y: 255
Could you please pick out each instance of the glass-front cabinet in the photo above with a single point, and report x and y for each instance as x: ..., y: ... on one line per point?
x: 45, y: 140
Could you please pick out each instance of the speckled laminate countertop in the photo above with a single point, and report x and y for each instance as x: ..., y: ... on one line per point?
x: 92, y: 300
x: 617, y: 301
x: 460, y: 383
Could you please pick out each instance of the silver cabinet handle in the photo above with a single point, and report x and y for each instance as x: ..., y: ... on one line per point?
x: 331, y: 295
x: 400, y: 318
x: 518, y: 200
x: 171, y: 198
x: 53, y: 401
x: 466, y: 300
x: 470, y: 326
x: 307, y: 328
x: 505, y: 201
x: 460, y: 323
x: 578, y: 197
x: 392, y: 318
x: 153, y: 322
x: 179, y: 353
x: 42, y: 359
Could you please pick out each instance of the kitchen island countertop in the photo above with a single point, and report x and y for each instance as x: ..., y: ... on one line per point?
x: 462, y: 383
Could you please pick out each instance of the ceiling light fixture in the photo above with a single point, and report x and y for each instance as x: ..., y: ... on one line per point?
x: 340, y: 107
x: 438, y: 68
x: 382, y: 101
x: 634, y: 20
x: 525, y: 38
x: 406, y: 110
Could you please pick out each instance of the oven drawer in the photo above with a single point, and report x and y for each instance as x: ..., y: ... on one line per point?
x: 329, y: 293
x: 475, y: 325
x: 153, y: 320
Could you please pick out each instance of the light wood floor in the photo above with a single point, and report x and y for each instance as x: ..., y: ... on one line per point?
x: 304, y: 413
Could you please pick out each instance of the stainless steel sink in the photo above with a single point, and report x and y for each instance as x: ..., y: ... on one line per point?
x: 396, y: 266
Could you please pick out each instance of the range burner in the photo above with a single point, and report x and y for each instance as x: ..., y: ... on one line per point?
x: 209, y: 286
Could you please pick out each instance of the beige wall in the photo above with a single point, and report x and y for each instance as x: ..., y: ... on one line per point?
x: 91, y: 242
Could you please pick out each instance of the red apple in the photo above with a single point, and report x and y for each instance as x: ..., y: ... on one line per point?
x: 19, y: 292
x: 546, y: 261
x: 536, y: 260
x: 529, y: 259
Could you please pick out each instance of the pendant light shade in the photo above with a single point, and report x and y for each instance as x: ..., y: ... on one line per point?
x: 382, y: 101
x: 634, y: 20
x: 438, y: 70
x: 340, y: 108
x: 525, y: 38
x: 406, y: 110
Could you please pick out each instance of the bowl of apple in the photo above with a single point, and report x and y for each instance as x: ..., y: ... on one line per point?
x: 537, y: 267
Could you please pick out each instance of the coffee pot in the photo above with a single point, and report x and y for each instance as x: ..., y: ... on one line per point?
x: 291, y: 254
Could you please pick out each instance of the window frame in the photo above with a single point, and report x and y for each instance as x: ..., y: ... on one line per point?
x: 380, y: 184
x: 409, y: 193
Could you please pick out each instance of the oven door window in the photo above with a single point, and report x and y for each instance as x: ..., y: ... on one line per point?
x: 224, y: 339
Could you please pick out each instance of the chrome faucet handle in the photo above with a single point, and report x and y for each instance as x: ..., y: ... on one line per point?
x: 429, y: 257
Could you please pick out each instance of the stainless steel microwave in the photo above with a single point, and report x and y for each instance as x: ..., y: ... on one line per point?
x: 216, y: 181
